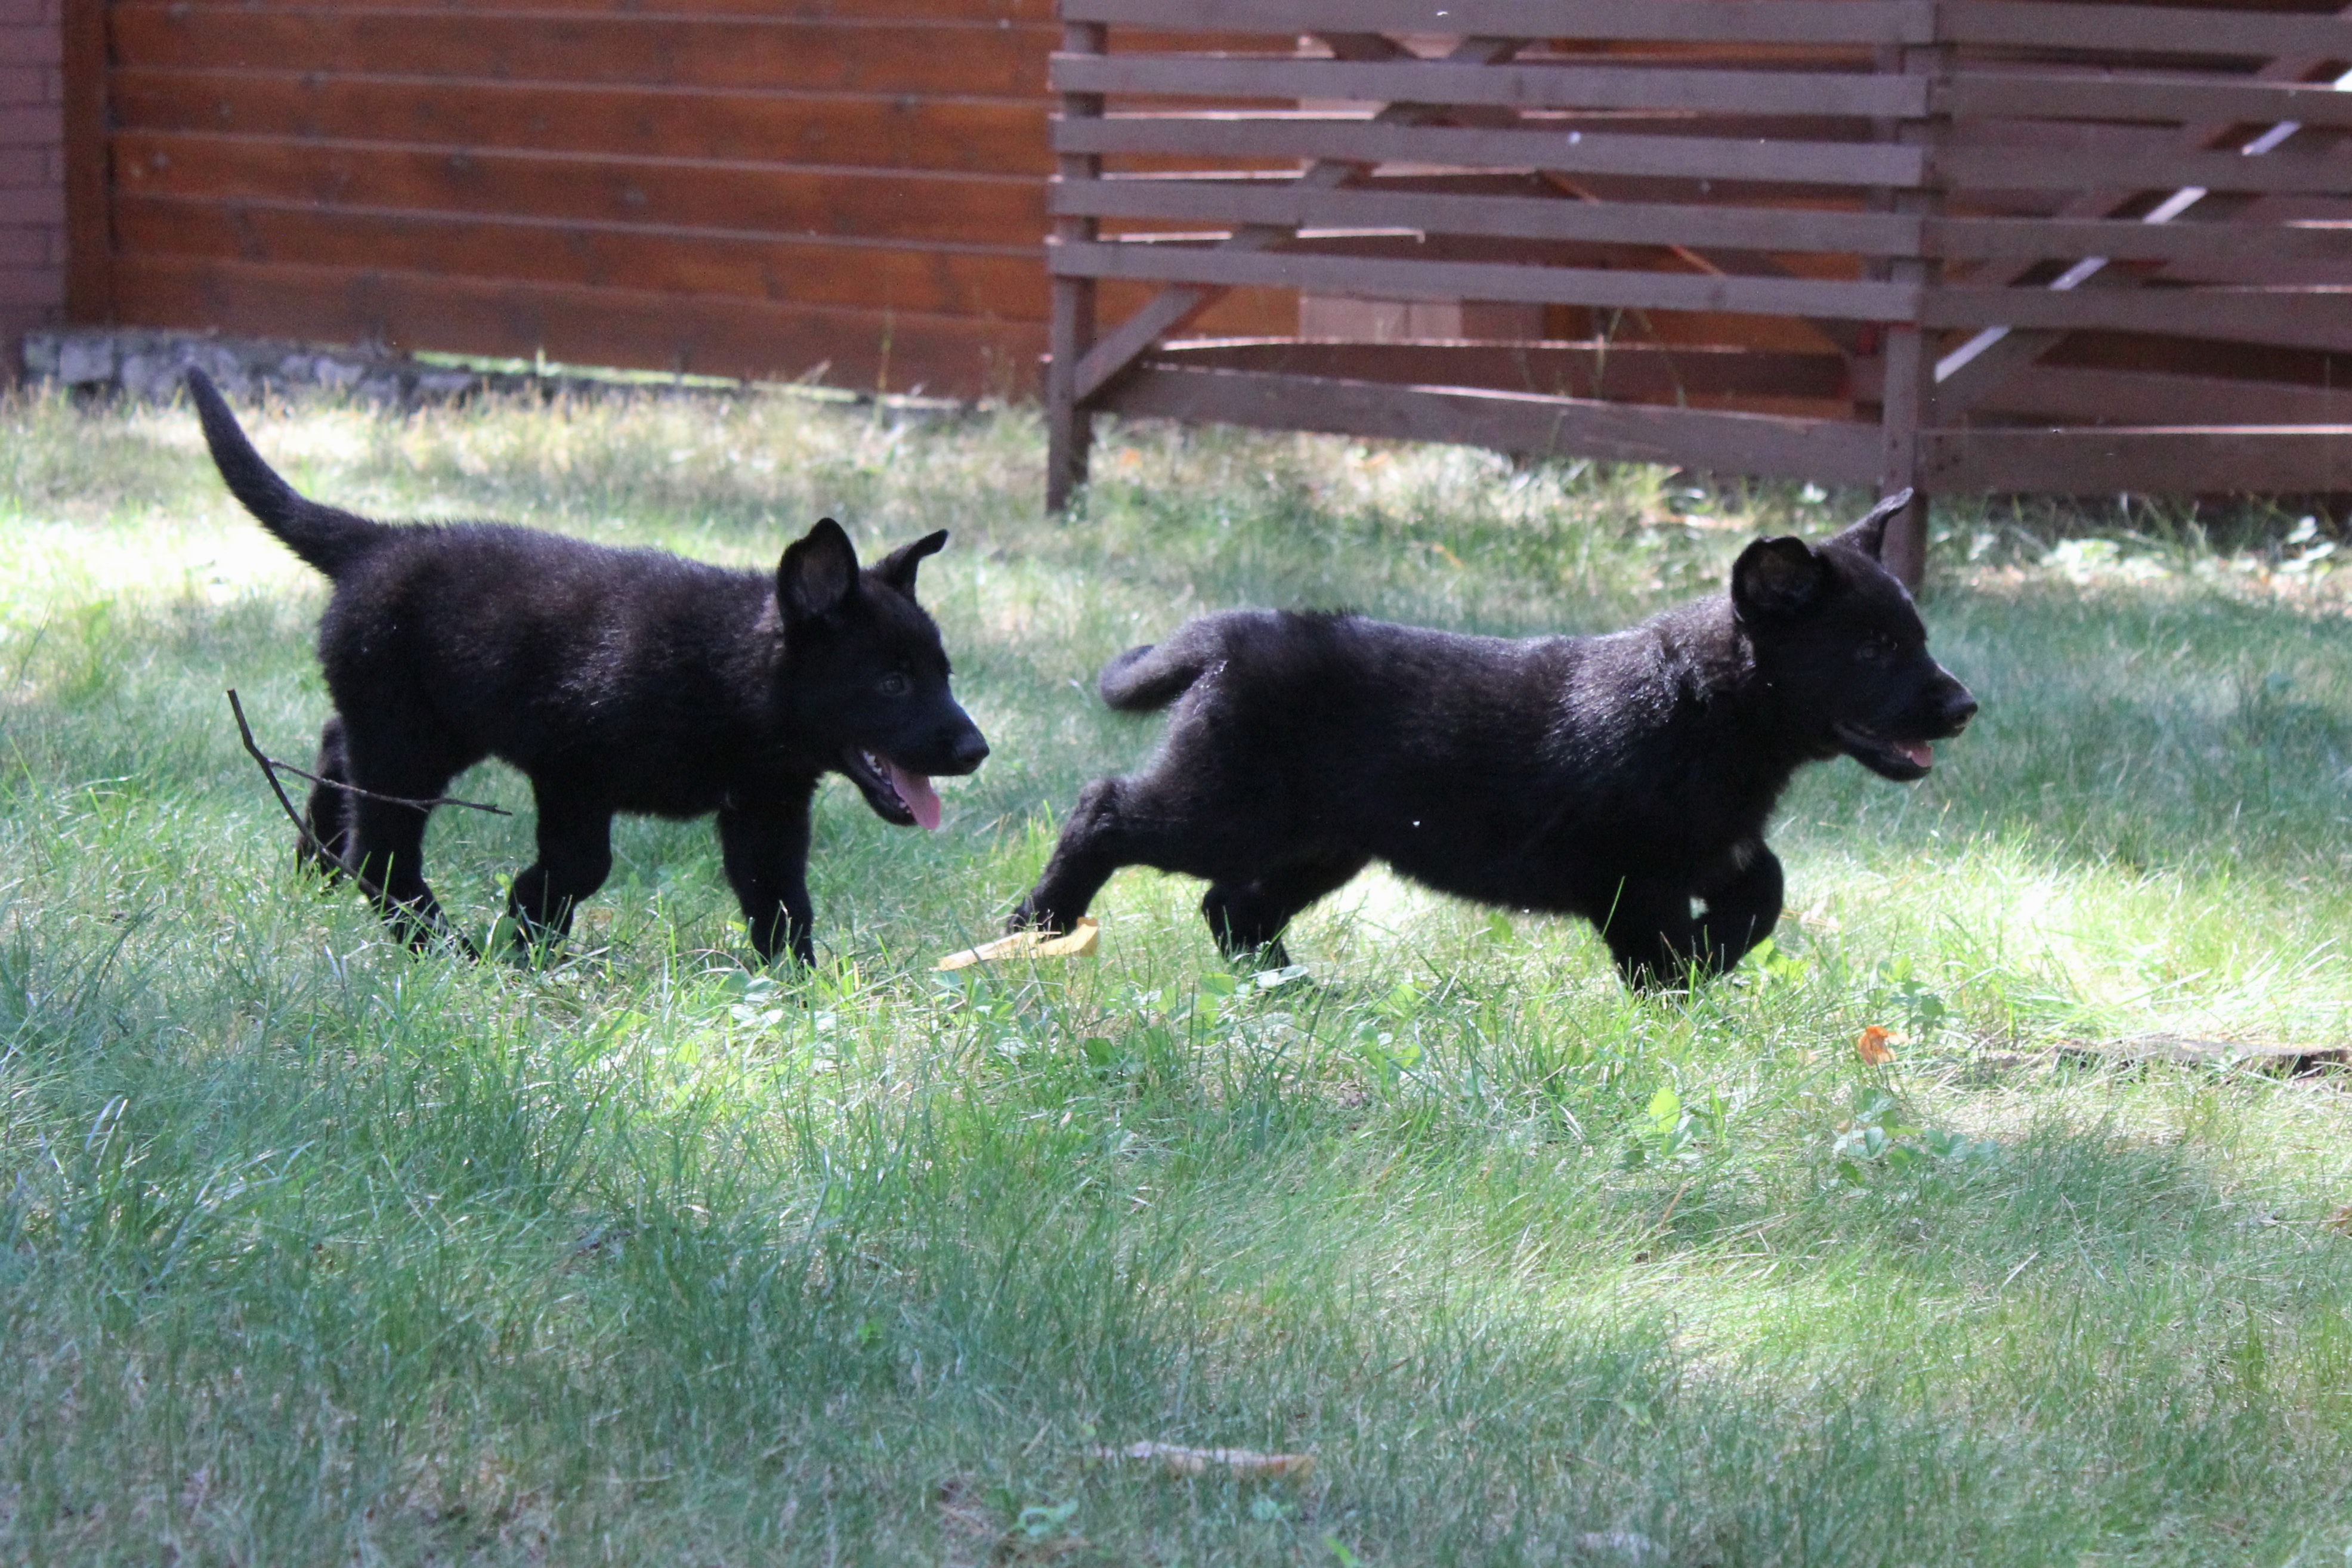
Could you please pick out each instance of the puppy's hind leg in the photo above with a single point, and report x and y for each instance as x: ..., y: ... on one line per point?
x: 327, y: 812
x: 388, y: 850
x: 396, y: 765
x: 1251, y: 916
x: 576, y: 855
x: 1089, y: 851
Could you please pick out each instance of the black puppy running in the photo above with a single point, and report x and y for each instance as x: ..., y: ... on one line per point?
x: 617, y: 680
x: 1619, y: 778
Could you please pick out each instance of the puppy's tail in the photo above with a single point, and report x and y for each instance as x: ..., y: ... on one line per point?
x: 1143, y: 679
x: 328, y: 538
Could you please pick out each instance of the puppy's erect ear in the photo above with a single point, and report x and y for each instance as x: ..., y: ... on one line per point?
x: 1869, y: 536
x: 898, y: 567
x: 1776, y: 577
x: 818, y: 574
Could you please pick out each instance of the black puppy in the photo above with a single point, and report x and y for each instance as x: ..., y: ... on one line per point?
x: 618, y: 681
x: 1619, y: 778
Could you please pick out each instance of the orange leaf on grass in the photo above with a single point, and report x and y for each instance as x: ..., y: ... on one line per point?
x: 1871, y: 1046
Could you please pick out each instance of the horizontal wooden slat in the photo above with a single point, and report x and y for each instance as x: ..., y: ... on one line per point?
x: 899, y: 352
x: 947, y: 209
x: 2003, y: 168
x: 1039, y: 14
x: 1762, y: 445
x: 1515, y: 86
x: 1381, y: 280
x: 710, y: 51
x: 2135, y: 397
x: 1368, y: 142
x: 2081, y: 95
x: 2176, y: 460
x: 1007, y: 283
x: 2130, y: 239
x: 1695, y: 21
x: 1555, y: 216
x: 2113, y: 30
x: 1638, y: 372
x: 2311, y: 319
x: 966, y: 135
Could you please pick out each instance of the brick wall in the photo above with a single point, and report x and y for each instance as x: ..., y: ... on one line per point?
x: 32, y: 174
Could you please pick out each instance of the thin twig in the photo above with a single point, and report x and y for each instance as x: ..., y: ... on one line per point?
x: 389, y: 800
x: 310, y: 839
x: 383, y: 901
x: 1667, y: 1219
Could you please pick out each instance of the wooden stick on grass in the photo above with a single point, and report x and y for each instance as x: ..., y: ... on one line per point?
x: 309, y: 840
x: 383, y: 901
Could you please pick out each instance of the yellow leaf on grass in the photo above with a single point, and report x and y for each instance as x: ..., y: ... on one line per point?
x: 1871, y: 1046
x: 1243, y: 1464
x: 1080, y: 943
x: 2340, y: 1221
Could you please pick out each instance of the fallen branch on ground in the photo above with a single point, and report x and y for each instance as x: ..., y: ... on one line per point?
x: 382, y: 900
x: 309, y: 840
x: 275, y: 766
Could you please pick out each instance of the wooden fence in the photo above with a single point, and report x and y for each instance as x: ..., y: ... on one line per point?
x: 851, y: 187
x: 1959, y: 244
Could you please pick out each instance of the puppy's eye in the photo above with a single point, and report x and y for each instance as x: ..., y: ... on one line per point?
x: 894, y: 684
x: 1874, y: 651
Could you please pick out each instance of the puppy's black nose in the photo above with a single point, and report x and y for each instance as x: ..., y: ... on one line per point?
x: 1958, y: 708
x: 971, y: 752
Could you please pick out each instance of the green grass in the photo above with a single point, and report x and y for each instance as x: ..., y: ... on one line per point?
x: 314, y: 1252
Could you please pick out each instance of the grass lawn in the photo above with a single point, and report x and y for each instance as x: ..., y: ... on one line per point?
x: 314, y: 1252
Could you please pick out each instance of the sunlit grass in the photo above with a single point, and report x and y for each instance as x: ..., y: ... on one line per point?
x: 310, y: 1251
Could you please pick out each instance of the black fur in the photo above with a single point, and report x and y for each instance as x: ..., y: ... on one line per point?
x: 1620, y: 778
x: 617, y: 680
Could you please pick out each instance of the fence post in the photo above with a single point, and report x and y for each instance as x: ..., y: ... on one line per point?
x: 1070, y: 425
x: 1906, y: 401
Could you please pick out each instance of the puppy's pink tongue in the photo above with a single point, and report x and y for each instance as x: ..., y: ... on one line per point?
x: 1921, y: 753
x: 915, y: 790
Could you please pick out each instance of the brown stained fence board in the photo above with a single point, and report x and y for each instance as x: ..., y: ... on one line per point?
x: 2294, y: 318
x: 864, y: 203
x: 594, y: 326
x: 2120, y: 29
x: 1515, y: 85
x: 1363, y: 140
x: 1563, y: 257
x: 2056, y: 170
x: 1508, y: 421
x: 2248, y: 270
x: 965, y: 135
x: 1695, y: 21
x: 2142, y: 99
x: 718, y: 52
x: 2135, y: 397
x: 2129, y: 238
x: 1471, y: 280
x: 1559, y: 218
x: 1644, y: 372
x: 2187, y: 460
x: 1004, y: 283
x: 988, y: 13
